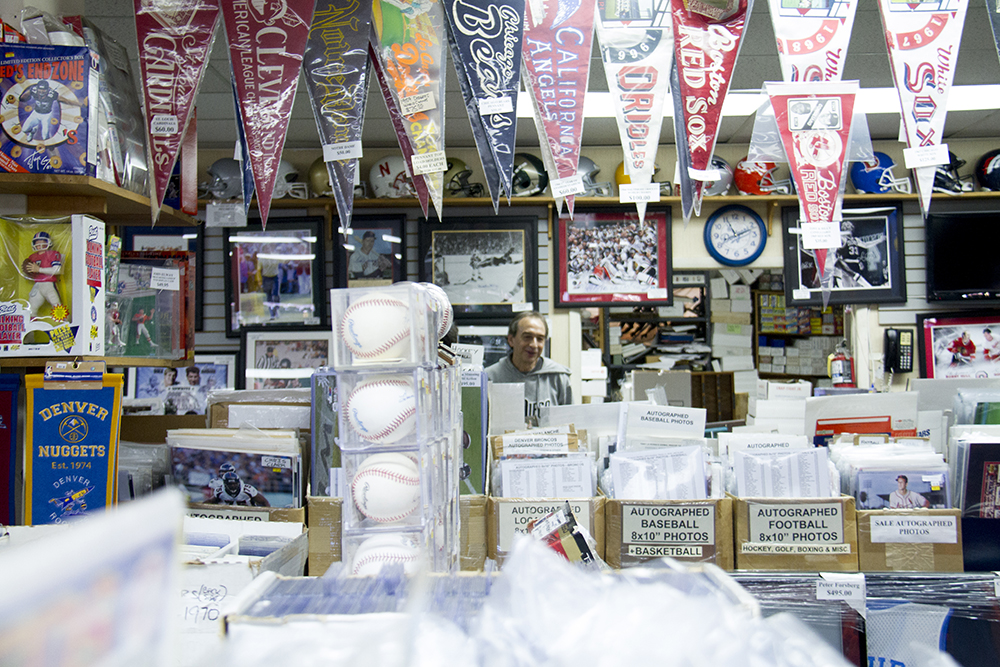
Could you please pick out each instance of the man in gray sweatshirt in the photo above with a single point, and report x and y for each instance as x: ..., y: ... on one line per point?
x: 545, y: 381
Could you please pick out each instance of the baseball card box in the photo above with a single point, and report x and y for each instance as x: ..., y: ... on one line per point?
x: 46, y: 111
x: 52, y: 289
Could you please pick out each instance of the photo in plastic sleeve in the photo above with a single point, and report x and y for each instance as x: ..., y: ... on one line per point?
x: 956, y: 345
x: 179, y: 391
x: 284, y: 360
x: 235, y: 478
x: 902, y: 489
x: 188, y: 239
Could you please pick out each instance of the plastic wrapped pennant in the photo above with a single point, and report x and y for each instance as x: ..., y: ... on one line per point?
x: 266, y: 44
x: 922, y: 39
x: 335, y: 65
x: 638, y: 52
x: 558, y: 36
x: 993, y: 9
x: 175, y: 39
x: 411, y: 47
x: 243, y: 153
x: 812, y: 41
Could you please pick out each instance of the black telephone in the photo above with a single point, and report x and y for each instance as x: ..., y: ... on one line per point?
x: 897, y: 350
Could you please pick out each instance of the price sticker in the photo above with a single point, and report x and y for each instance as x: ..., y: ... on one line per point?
x: 926, y: 156
x: 165, y: 279
x: 349, y: 150
x: 704, y: 175
x: 164, y: 125
x: 429, y: 163
x: 412, y: 104
x: 842, y: 586
x: 491, y: 105
x: 630, y: 193
x: 564, y: 187
x: 821, y: 235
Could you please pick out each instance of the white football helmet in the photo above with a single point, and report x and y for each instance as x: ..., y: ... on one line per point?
x: 286, y: 185
x: 389, y: 178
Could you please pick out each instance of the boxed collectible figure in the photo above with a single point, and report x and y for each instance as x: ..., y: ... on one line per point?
x: 52, y: 287
x: 45, y: 109
x: 174, y: 271
x: 148, y: 305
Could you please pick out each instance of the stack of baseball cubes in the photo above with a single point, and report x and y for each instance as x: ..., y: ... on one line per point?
x: 399, y: 428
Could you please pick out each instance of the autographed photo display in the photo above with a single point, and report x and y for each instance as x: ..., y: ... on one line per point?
x: 206, y: 473
x: 180, y: 391
x: 279, y: 360
x: 959, y: 345
x: 606, y: 259
x: 370, y: 252
x: 189, y: 239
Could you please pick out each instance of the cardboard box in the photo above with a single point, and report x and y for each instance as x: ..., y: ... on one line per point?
x: 253, y: 514
x: 507, y: 517
x: 262, y: 409
x: 324, y: 522
x: 918, y: 540
x: 801, y: 534
x: 473, y: 532
x: 677, y: 385
x: 773, y: 390
x: 698, y: 531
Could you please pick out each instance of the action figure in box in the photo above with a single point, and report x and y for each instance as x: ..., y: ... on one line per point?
x: 141, y: 332
x: 44, y: 266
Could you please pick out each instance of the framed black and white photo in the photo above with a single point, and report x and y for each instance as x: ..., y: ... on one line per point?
x: 283, y: 359
x: 866, y: 268
x: 185, y: 239
x: 371, y: 252
x: 178, y: 391
x: 613, y: 259
x: 487, y: 269
x: 275, y: 278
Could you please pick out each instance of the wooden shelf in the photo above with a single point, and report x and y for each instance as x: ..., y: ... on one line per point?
x: 111, y: 362
x: 58, y: 194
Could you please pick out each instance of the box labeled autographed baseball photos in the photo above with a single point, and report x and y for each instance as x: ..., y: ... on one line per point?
x: 52, y: 289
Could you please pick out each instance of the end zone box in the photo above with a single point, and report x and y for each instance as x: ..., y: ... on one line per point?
x: 918, y: 540
x: 48, y: 122
x: 507, y: 517
x: 800, y: 534
x: 694, y: 531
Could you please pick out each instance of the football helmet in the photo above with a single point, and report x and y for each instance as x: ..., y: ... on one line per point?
x: 286, y: 184
x: 232, y: 483
x: 456, y: 180
x: 529, y: 178
x: 41, y: 239
x: 758, y: 178
x: 621, y: 178
x: 946, y: 178
x: 721, y: 186
x: 988, y: 171
x: 588, y: 171
x: 390, y: 179
x: 225, y: 179
x: 875, y: 176
x: 226, y: 467
x: 319, y: 179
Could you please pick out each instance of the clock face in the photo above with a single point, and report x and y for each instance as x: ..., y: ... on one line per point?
x: 735, y: 235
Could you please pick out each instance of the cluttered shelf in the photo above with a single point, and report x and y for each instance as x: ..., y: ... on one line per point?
x: 111, y: 362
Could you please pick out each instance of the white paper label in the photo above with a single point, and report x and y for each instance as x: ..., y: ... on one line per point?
x: 842, y: 586
x: 167, y: 279
x: 472, y: 377
x: 520, y: 307
x: 428, y: 163
x: 349, y: 150
x: 800, y: 293
x: 564, y: 187
x: 820, y: 235
x: 164, y: 125
x: 412, y: 104
x: 705, y: 175
x: 630, y: 193
x: 223, y: 214
x: 914, y: 529
x: 794, y: 549
x: 807, y: 524
x: 230, y: 513
x: 492, y: 105
x: 657, y: 294
x: 238, y: 152
x: 276, y: 462
x: 668, y: 524
x: 514, y: 517
x: 926, y: 156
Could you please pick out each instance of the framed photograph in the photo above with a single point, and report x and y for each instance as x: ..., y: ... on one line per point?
x: 189, y: 239
x: 487, y: 269
x: 867, y: 268
x: 178, y: 391
x: 283, y: 359
x: 275, y: 278
x: 959, y: 345
x: 224, y: 477
x: 372, y: 252
x: 612, y: 259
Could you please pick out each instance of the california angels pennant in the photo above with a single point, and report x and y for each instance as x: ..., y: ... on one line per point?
x: 175, y: 40
x: 812, y: 40
x: 922, y: 39
x: 638, y: 49
x: 705, y: 51
x: 558, y: 35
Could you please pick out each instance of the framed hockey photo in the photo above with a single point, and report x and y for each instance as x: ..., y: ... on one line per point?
x: 371, y: 252
x: 275, y: 278
x: 283, y: 359
x: 186, y: 239
x: 178, y: 391
x: 613, y: 259
x: 867, y: 268
x: 959, y: 345
x: 488, y: 269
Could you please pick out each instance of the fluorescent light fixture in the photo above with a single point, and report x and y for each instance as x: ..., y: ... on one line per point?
x: 398, y: 256
x: 391, y: 239
x: 341, y: 230
x: 348, y: 246
x: 283, y: 257
x: 189, y: 237
x: 272, y: 239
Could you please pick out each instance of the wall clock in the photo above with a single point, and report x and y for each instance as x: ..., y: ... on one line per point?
x: 735, y: 235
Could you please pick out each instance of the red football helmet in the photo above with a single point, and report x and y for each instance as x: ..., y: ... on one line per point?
x: 758, y: 178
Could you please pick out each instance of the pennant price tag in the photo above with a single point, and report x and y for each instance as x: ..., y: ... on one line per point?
x: 820, y: 235
x: 429, y: 163
x: 412, y: 104
x: 704, y: 175
x: 168, y: 279
x: 926, y: 156
x: 225, y: 214
x: 164, y: 125
x: 491, y: 105
x: 564, y: 187
x: 629, y: 193
x: 349, y: 150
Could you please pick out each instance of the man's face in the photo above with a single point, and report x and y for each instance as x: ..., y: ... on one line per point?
x: 193, y: 376
x: 367, y: 244
x: 528, y: 343
x: 965, y: 338
x: 901, y: 482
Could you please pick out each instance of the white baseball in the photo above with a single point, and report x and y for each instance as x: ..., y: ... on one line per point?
x: 386, y: 487
x: 386, y: 549
x: 383, y: 409
x: 377, y: 327
x: 444, y: 313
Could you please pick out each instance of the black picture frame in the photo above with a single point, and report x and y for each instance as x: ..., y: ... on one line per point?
x: 247, y: 303
x: 389, y: 244
x: 870, y: 270
x: 190, y: 239
x: 296, y: 353
x: 590, y: 269
x: 505, y: 278
x: 936, y: 330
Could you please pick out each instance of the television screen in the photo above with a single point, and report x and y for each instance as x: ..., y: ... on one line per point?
x: 961, y: 256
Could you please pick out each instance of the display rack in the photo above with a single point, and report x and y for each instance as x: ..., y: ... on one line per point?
x: 807, y: 328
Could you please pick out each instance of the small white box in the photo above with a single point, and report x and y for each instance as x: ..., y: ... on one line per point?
x: 792, y: 352
x: 771, y: 389
x: 739, y: 292
x: 778, y: 352
x: 737, y: 363
x: 720, y: 305
x: 741, y: 306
